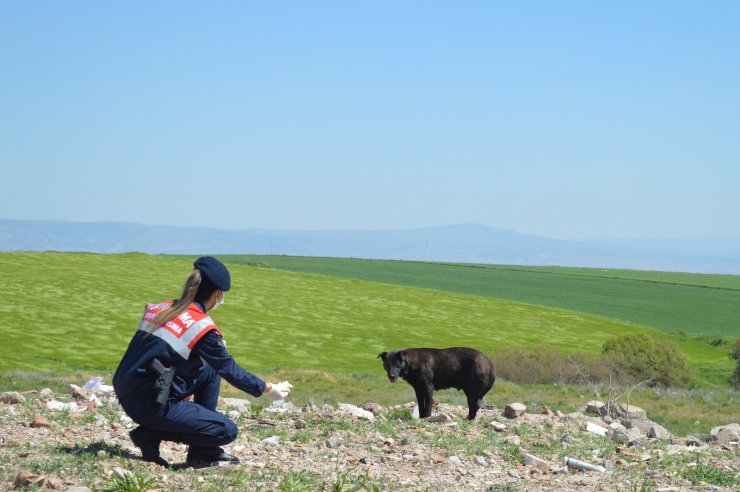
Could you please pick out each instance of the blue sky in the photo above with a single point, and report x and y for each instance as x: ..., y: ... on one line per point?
x: 565, y: 119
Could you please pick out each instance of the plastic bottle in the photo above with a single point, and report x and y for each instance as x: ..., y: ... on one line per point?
x: 582, y: 465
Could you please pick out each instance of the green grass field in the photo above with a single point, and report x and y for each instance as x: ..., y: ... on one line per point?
x: 678, y: 303
x: 69, y: 312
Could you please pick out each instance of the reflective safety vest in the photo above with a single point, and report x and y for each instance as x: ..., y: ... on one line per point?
x: 181, y: 332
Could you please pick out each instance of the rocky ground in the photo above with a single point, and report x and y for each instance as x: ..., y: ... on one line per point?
x: 79, y: 441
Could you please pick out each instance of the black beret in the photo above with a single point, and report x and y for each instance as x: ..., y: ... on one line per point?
x: 215, y: 271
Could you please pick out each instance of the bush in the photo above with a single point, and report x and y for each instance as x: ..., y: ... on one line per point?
x: 545, y: 365
x: 735, y: 377
x: 641, y: 358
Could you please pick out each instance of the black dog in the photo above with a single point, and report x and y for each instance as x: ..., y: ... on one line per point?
x: 428, y: 369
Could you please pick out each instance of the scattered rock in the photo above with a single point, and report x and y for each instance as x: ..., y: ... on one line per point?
x: 409, y: 439
x: 27, y: 479
x: 725, y: 434
x: 594, y: 407
x: 12, y: 398
x: 238, y: 404
x: 596, y: 429
x: 516, y: 440
x: 272, y: 440
x: 415, y: 460
x: 40, y: 421
x: 657, y: 431
x: 46, y: 394
x: 618, y: 433
x: 280, y: 406
x: 498, y: 426
x: 673, y: 449
x: 122, y: 474
x: 693, y: 441
x: 78, y: 393
x: 639, y: 440
x: 540, y: 464
x: 372, y: 407
x: 514, y: 410
x: 356, y: 411
x: 438, y: 458
x: 440, y: 417
x: 69, y: 406
x: 78, y: 488
x: 627, y: 411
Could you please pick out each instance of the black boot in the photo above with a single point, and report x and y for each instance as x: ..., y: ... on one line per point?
x: 205, y: 457
x: 149, y: 446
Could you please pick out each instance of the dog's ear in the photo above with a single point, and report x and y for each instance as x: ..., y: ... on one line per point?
x: 382, y: 355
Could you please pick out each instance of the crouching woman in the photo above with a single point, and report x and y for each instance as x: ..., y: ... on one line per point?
x: 176, y: 353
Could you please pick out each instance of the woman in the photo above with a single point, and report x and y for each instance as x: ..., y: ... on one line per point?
x: 178, y: 352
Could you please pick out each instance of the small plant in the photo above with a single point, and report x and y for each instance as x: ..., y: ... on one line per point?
x: 507, y: 487
x: 708, y: 473
x: 296, y: 481
x: 400, y: 413
x: 131, y: 483
x: 344, y: 482
x: 646, y: 485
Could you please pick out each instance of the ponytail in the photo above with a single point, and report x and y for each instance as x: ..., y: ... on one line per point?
x: 186, y: 299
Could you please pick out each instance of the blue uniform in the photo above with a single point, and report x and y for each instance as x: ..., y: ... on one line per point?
x: 198, y: 372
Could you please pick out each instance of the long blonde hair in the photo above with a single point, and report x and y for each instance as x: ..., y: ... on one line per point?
x: 186, y: 299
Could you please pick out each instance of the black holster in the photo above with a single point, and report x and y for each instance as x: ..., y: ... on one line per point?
x: 164, y: 380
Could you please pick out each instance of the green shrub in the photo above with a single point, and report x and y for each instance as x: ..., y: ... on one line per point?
x: 735, y: 377
x: 642, y: 358
x: 546, y: 365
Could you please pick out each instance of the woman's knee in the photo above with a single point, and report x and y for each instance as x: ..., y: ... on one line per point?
x: 230, y: 432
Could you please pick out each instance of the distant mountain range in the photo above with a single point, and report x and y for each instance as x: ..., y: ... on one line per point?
x: 468, y: 243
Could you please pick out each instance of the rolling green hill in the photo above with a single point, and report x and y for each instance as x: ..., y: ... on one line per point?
x: 69, y: 312
x: 692, y: 304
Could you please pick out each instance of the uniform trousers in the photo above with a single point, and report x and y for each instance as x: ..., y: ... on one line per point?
x: 195, y: 423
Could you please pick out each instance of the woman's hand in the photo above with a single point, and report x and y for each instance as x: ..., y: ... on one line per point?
x: 277, y: 391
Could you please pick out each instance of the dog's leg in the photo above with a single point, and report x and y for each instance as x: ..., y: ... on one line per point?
x: 474, y: 403
x: 424, y: 399
x: 428, y: 401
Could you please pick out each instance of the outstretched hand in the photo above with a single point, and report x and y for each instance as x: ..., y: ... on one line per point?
x: 279, y: 391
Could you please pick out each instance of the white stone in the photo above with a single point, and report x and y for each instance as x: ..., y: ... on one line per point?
x: 595, y: 429
x: 356, y: 411
x: 273, y: 440
x: 498, y: 426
